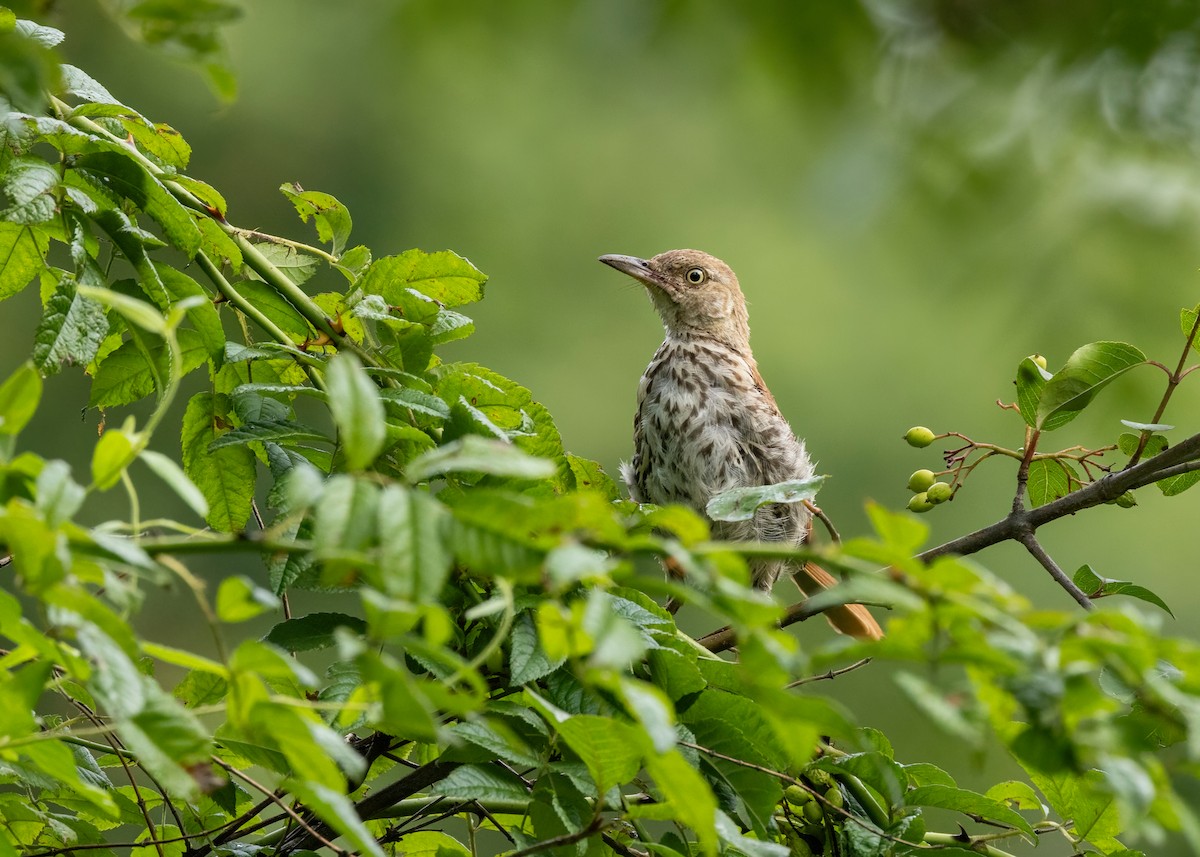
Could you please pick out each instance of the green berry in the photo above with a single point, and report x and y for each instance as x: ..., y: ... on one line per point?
x: 938, y: 492
x: 813, y: 812
x: 920, y: 480
x: 800, y: 847
x: 796, y: 796
x: 919, y: 436
x: 919, y: 503
x: 834, y: 797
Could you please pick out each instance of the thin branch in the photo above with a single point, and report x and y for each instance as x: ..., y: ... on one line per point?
x: 295, y: 816
x: 1039, y: 553
x: 831, y: 673
x: 595, y: 825
x: 824, y: 519
x: 1173, y: 379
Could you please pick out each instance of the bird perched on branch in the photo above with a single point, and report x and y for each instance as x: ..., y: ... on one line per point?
x: 706, y: 422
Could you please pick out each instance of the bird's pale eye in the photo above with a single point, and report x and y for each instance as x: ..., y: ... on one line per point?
x: 696, y: 276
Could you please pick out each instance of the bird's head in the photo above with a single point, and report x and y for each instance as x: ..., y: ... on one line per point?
x: 694, y: 293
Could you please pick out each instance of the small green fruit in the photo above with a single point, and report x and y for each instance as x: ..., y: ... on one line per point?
x: 796, y: 796
x: 800, y: 847
x: 920, y: 480
x: 813, y: 813
x: 919, y: 503
x: 938, y: 492
x: 919, y: 436
x: 834, y: 797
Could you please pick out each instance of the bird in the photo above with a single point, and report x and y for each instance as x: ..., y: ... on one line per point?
x: 706, y: 422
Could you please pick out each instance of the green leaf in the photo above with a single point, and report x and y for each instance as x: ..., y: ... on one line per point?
x: 688, y: 795
x: 114, y: 451
x: 740, y: 504
x: 445, y: 277
x: 496, y: 739
x: 611, y: 750
x: 414, y: 559
x: 338, y: 812
x: 58, y: 495
x: 475, y: 454
x: 1049, y: 479
x: 357, y: 410
x: 170, y: 742
x: 225, y: 476
x: 938, y: 709
x: 528, y: 661
x: 29, y: 184
x: 450, y: 326
x: 122, y: 175
x: 1031, y: 381
x: 1187, y: 323
x: 971, y: 803
x: 330, y: 216
x: 430, y: 843
x: 71, y: 329
x: 313, y: 631
x: 1095, y: 586
x: 239, y: 599
x: 734, y: 726
x: 1085, y: 373
x: 283, y: 431
x: 22, y: 249
x: 144, y: 315
x: 202, y: 315
x: 276, y: 308
x: 296, y: 266
x: 19, y: 397
x: 1178, y: 484
x: 171, y: 473
x: 479, y: 782
x: 124, y: 376
x: 416, y: 400
x: 1128, y: 444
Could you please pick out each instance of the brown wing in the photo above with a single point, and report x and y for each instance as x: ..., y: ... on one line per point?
x: 852, y: 619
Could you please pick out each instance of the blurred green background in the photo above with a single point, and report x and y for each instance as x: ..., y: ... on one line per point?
x: 915, y: 195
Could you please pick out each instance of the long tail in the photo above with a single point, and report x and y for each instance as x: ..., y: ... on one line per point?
x: 852, y: 619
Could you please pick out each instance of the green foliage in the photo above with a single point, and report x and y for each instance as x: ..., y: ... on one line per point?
x: 495, y: 655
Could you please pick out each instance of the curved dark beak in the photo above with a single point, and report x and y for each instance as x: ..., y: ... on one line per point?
x: 637, y: 268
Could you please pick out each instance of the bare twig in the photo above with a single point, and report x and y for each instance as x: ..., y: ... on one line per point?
x: 1039, y: 553
x: 831, y: 673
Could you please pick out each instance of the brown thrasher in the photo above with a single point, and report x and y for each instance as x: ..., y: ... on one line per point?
x: 706, y: 422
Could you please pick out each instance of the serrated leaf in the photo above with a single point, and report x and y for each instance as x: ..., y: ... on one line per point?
x: 357, y: 411
x: 122, y: 175
x: 71, y: 329
x: 478, y: 782
x: 276, y: 308
x: 970, y: 803
x: 414, y: 559
x: 416, y: 400
x: 1085, y: 373
x: 225, y: 476
x: 19, y: 397
x: 29, y: 184
x: 22, y: 249
x: 274, y: 431
x: 124, y: 376
x: 332, y: 219
x: 1187, y: 323
x: 445, y: 277
x: 313, y: 631
x: 611, y: 750
x: 497, y: 740
x: 475, y: 454
x: 450, y: 326
x: 144, y: 315
x: 740, y: 504
x: 528, y: 661
x: 296, y: 266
